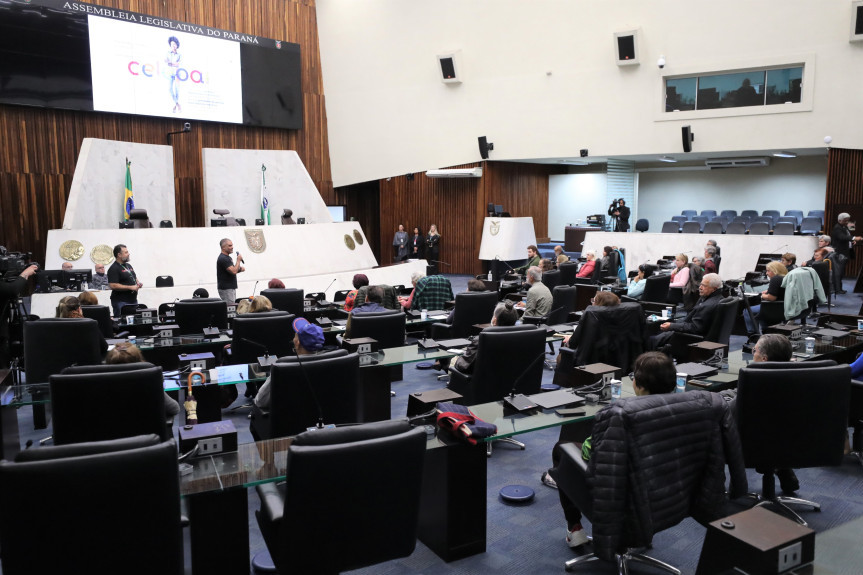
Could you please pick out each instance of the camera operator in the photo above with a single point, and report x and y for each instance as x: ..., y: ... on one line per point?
x: 620, y: 213
x: 11, y: 288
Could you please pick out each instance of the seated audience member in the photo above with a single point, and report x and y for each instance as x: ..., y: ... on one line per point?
x: 708, y: 264
x: 699, y: 318
x: 605, y: 261
x: 539, y: 297
x: 532, y: 260
x: 680, y: 274
x: 789, y: 260
x: 407, y: 301
x: 637, y: 284
x: 601, y: 299
x: 129, y: 353
x: 100, y: 279
x: 373, y: 303
x: 200, y: 292
x: 774, y: 292
x: 546, y: 265
x: 857, y: 368
x: 698, y: 262
x: 260, y: 303
x: 70, y: 308
x: 360, y: 280
x: 88, y: 298
x: 432, y: 292
x: 504, y: 315
x: 276, y: 283
x: 560, y: 257
x: 586, y: 269
x: 712, y: 242
x: 819, y: 255
x: 308, y: 340
x: 654, y: 373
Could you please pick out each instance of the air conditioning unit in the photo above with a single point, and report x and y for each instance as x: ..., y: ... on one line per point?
x: 455, y: 173
x: 737, y: 163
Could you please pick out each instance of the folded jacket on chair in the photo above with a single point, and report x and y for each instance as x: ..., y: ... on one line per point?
x: 462, y: 423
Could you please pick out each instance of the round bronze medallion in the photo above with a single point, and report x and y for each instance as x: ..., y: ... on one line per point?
x: 71, y: 250
x: 102, y: 254
x: 359, y: 237
x: 349, y: 241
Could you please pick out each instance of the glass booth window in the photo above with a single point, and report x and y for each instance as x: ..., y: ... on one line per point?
x: 734, y: 89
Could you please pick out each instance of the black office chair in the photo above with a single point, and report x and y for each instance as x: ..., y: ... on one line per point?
x: 386, y: 327
x: 166, y: 224
x: 164, y: 281
x: 612, y: 335
x: 139, y: 218
x: 507, y: 359
x: 305, y: 389
x: 130, y: 309
x: 86, y: 501
x: 341, y: 295
x: 193, y: 315
x: 855, y: 419
x: 551, y: 279
x: 642, y: 225
x: 168, y: 311
x: 471, y: 308
x: 286, y: 299
x: 103, y: 402
x: 792, y: 415
x: 367, y: 476
x: 562, y: 304
x: 257, y: 334
x: 629, y: 494
x: 656, y: 288
x: 102, y: 315
x: 568, y: 270
x: 52, y: 344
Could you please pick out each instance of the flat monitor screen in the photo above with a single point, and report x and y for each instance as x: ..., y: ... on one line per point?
x: 78, y: 56
x: 337, y: 213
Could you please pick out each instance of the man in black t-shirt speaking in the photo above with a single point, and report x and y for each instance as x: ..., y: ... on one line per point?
x: 226, y: 272
x: 122, y: 280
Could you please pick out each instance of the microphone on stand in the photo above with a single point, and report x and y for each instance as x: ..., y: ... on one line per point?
x: 254, y: 289
x: 265, y: 360
x: 518, y: 401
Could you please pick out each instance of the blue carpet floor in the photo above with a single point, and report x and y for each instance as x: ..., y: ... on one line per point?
x: 530, y: 539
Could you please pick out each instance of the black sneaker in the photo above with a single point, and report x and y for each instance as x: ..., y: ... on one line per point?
x: 787, y: 480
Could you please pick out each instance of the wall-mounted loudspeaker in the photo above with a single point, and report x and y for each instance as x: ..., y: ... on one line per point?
x: 484, y: 147
x: 626, y: 47
x: 584, y: 152
x: 688, y: 138
x: 450, y: 65
x: 856, y: 21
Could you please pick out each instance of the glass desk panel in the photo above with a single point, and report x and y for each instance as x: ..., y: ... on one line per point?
x: 27, y: 394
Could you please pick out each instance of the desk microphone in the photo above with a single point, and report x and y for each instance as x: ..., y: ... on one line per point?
x: 254, y: 289
x: 777, y: 250
x: 439, y: 262
x: 265, y: 360
x: 320, y: 423
x: 329, y: 286
x: 519, y: 401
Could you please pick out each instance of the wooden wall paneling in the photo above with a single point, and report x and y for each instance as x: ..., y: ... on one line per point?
x: 362, y: 202
x: 39, y: 147
x: 845, y: 194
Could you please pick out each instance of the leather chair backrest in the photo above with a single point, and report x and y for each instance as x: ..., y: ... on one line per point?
x: 568, y: 270
x: 112, y: 490
x: 273, y: 329
x: 314, y: 386
x: 656, y: 288
x: 642, y: 225
x: 387, y: 327
x: 286, y: 299
x: 551, y: 279
x: 822, y: 268
x: 193, y: 315
x: 54, y: 343
x: 507, y: 356
x: 365, y: 479
x: 164, y: 281
x: 471, y: 308
x: 583, y: 294
x: 793, y: 414
x: 613, y: 335
x: 103, y: 402
x: 341, y: 295
x: 562, y: 304
x: 102, y: 315
x: 723, y: 320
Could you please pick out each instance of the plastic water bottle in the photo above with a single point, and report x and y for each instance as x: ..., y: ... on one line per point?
x: 489, y: 275
x: 84, y: 285
x: 681, y: 383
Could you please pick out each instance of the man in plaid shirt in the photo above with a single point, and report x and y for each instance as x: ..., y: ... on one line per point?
x: 432, y: 292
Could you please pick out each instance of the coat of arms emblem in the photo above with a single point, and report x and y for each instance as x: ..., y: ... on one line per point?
x: 256, y: 241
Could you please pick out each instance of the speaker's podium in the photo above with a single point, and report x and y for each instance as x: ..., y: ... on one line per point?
x: 505, y: 239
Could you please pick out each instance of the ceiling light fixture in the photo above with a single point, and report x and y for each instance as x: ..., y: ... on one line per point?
x: 784, y: 155
x: 668, y: 159
x: 574, y: 162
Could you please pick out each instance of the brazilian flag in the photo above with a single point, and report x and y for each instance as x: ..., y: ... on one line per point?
x: 129, y: 200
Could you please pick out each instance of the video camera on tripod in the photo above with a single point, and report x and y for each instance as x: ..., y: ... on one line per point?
x: 13, y: 263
